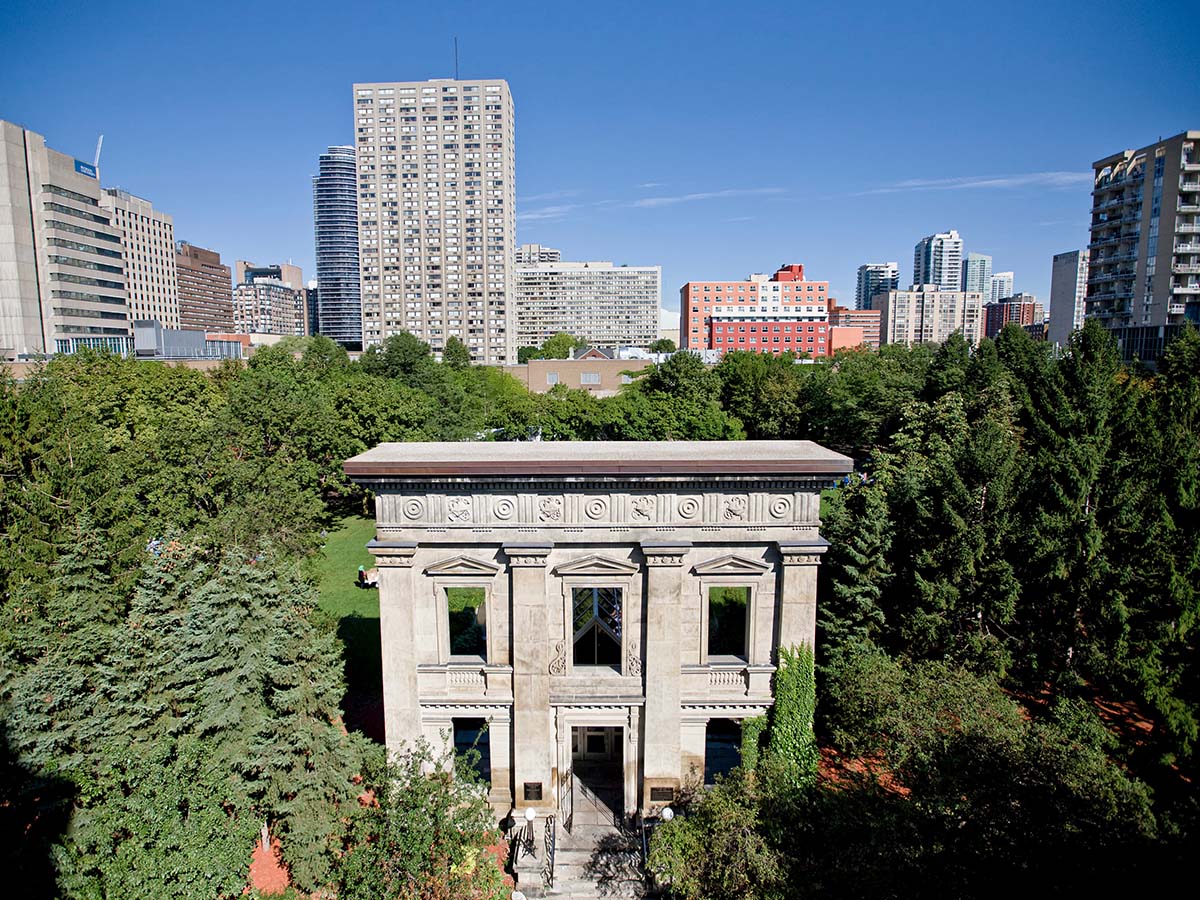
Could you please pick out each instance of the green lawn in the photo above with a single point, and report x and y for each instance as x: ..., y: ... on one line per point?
x: 346, y: 550
x: 357, y: 612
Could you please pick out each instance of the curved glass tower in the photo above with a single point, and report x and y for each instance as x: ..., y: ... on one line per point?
x: 335, y: 223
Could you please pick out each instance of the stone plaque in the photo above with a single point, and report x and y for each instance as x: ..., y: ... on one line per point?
x: 533, y: 790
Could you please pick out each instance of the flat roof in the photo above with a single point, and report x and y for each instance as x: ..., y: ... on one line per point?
x: 598, y: 458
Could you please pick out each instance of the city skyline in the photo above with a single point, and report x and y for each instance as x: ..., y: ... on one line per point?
x: 717, y: 206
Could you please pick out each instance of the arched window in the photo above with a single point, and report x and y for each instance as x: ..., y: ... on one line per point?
x: 597, y: 621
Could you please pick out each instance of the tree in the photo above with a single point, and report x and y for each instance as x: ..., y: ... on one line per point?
x: 717, y: 851
x: 525, y: 354
x: 791, y: 738
x: 561, y: 346
x: 440, y: 851
x: 662, y: 345
x: 855, y: 572
x: 456, y: 355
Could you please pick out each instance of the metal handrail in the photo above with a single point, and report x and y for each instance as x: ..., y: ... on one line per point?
x: 551, y: 840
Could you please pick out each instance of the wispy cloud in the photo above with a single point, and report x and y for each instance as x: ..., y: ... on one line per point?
x: 652, y: 184
x: 648, y: 202
x: 556, y: 211
x: 741, y: 219
x: 974, y: 182
x: 551, y: 195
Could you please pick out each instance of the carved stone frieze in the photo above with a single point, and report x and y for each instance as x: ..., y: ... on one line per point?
x: 550, y: 509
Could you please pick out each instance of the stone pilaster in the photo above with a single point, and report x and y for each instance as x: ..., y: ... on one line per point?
x: 661, y: 762
x: 534, y: 767
x: 798, y: 594
x: 500, y: 745
x: 401, y: 711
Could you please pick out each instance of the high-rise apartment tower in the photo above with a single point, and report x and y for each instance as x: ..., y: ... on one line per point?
x: 1002, y: 286
x: 1068, y: 285
x: 335, y: 228
x: 875, y: 278
x: 1144, y: 265
x: 937, y: 259
x: 437, y: 213
x: 977, y: 274
x: 927, y: 315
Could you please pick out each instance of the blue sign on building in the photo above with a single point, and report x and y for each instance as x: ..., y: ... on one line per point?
x: 85, y: 168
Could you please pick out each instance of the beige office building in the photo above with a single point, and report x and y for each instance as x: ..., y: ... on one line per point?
x: 205, y: 289
x: 62, y: 281
x: 924, y: 315
x: 437, y: 213
x: 148, y: 239
x: 606, y: 305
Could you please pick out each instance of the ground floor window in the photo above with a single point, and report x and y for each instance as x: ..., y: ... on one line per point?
x: 722, y: 748
x: 472, y: 746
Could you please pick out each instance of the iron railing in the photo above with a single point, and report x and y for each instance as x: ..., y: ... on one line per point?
x: 551, y: 841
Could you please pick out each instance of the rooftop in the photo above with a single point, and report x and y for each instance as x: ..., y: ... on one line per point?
x: 598, y: 458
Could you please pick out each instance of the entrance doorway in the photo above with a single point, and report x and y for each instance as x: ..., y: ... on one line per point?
x: 598, y: 769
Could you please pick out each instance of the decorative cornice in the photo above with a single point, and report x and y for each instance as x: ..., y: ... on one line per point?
x: 806, y: 554
x: 665, y: 554
x: 527, y: 555
x: 392, y: 554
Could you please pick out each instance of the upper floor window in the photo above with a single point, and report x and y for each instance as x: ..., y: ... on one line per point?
x: 727, y: 608
x: 468, y: 621
x: 597, y: 626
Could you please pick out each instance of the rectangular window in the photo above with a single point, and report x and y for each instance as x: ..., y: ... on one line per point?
x: 468, y: 621
x: 589, y: 378
x: 551, y: 378
x: 727, y: 621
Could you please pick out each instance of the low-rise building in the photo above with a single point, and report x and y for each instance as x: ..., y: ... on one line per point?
x: 865, y: 319
x: 710, y: 309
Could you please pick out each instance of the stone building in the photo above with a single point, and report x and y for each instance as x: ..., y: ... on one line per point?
x: 611, y: 609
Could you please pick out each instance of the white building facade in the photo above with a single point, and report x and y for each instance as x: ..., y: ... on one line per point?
x: 605, y: 305
x: 437, y: 213
x: 937, y: 259
x: 622, y: 602
x: 1068, y: 287
x: 1002, y: 286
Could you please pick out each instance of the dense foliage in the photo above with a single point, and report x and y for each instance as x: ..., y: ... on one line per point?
x: 1018, y: 549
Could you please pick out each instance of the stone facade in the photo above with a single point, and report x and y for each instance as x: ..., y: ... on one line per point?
x: 545, y: 529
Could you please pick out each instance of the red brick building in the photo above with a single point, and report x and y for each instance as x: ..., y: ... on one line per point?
x: 1022, y: 309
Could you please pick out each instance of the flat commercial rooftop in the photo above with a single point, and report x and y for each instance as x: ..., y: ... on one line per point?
x: 484, y: 458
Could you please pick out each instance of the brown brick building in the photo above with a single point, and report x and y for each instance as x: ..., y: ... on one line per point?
x: 205, y: 289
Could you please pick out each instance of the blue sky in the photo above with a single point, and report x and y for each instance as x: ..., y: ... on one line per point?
x: 714, y: 139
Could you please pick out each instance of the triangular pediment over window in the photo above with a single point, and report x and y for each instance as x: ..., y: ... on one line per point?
x: 732, y: 565
x: 463, y: 565
x: 597, y: 565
